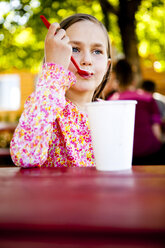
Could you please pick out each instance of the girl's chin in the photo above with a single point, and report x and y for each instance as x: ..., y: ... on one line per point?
x: 83, y: 87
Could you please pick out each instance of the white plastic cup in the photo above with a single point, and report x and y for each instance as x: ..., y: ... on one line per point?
x: 112, y: 131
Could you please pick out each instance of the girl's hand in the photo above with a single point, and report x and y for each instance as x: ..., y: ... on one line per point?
x: 57, y: 48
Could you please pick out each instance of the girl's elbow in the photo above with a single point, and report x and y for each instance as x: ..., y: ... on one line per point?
x: 25, y: 161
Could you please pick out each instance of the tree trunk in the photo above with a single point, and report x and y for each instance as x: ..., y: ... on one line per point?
x: 126, y: 21
x: 127, y: 25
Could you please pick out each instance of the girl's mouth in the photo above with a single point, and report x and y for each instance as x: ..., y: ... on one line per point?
x: 86, y: 75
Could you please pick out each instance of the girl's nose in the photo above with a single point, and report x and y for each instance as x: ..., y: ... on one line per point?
x: 86, y: 59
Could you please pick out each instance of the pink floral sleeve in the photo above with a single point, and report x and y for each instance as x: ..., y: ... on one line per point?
x: 41, y: 109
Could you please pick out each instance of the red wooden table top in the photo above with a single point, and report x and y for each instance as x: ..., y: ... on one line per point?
x: 83, y: 200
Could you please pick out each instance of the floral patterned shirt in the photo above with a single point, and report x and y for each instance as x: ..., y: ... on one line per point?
x: 52, y: 131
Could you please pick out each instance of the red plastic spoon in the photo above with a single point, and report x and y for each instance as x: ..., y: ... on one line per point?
x: 80, y: 71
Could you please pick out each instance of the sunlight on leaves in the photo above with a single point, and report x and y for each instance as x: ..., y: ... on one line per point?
x: 143, y: 49
x: 22, y: 33
x: 25, y: 37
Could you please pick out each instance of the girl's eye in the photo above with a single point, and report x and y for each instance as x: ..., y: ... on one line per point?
x: 97, y: 51
x: 75, y: 49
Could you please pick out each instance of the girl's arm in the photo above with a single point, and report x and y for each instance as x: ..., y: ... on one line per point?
x: 30, y: 143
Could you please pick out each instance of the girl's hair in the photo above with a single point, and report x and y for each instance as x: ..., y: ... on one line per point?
x: 124, y: 73
x: 66, y: 23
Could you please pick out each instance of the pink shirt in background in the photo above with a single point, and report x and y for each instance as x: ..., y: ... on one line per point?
x: 52, y: 131
x: 147, y: 113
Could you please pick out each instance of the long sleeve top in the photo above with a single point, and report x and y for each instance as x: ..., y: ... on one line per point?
x: 52, y: 131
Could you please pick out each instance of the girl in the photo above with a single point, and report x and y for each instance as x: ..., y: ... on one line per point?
x: 53, y: 129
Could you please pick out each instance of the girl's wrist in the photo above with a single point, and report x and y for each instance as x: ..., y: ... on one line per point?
x: 59, y: 69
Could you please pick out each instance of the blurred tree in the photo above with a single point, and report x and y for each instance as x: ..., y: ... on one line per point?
x: 135, y: 27
x: 125, y: 12
x: 139, y: 27
x: 22, y: 32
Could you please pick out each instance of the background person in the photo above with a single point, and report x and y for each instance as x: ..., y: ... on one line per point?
x: 150, y: 86
x: 148, y: 147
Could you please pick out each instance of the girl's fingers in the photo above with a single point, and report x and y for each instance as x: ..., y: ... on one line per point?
x: 61, y: 34
x: 53, y: 29
x: 57, y: 48
x: 65, y: 39
x: 55, y: 32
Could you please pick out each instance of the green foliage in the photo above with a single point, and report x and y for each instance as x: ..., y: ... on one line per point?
x: 150, y: 29
x: 22, y: 32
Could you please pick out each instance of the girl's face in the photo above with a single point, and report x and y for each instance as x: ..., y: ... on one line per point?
x: 89, y: 46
